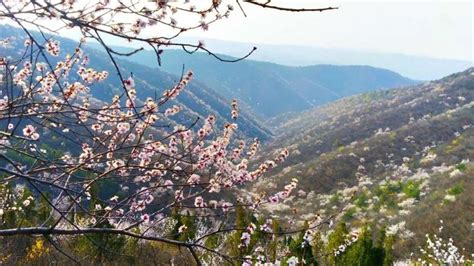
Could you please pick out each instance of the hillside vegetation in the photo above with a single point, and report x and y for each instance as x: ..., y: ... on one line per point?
x: 400, y: 158
x: 397, y: 161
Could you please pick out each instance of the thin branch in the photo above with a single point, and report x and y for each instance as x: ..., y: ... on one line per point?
x: 288, y: 9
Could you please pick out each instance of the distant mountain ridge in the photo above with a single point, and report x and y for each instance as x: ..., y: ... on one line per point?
x: 270, y: 89
x: 411, y: 66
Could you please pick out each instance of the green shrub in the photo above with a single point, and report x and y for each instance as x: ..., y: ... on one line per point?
x: 412, y: 189
x: 361, y: 201
x: 349, y: 214
x: 461, y: 167
x: 456, y: 189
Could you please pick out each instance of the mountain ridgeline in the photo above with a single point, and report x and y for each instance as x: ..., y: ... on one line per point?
x: 269, y: 89
x: 411, y: 66
x: 264, y: 90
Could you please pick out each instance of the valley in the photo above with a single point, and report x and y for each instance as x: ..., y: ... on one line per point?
x: 369, y: 148
x: 400, y: 158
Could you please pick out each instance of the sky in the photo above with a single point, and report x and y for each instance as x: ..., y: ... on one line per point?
x: 441, y: 29
x: 432, y: 28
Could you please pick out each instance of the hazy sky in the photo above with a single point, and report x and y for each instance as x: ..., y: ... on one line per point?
x: 442, y: 29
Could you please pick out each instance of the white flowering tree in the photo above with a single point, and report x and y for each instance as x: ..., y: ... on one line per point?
x: 63, y: 145
x: 441, y: 251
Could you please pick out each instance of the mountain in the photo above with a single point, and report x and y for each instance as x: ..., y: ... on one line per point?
x: 265, y: 90
x: 270, y: 89
x: 196, y: 100
x: 412, y: 66
x: 399, y: 157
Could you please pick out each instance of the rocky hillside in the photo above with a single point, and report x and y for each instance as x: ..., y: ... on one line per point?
x: 400, y: 158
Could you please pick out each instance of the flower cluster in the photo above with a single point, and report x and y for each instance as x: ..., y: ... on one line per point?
x: 440, y: 251
x: 285, y: 193
x: 235, y: 110
x: 20, y: 77
x: 350, y: 241
x: 53, y: 48
x: 172, y: 111
x: 89, y: 75
x: 174, y: 92
x: 3, y: 103
x: 30, y: 132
